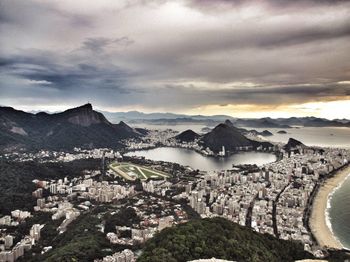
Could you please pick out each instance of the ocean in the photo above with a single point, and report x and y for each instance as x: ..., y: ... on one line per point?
x: 338, y: 212
x: 310, y: 136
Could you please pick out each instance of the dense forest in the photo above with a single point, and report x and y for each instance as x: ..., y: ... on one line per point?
x: 126, y: 216
x: 219, y: 238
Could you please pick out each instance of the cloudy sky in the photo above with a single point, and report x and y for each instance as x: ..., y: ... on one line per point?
x: 242, y: 58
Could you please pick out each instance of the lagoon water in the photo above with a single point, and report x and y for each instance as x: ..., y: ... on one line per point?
x: 187, y: 157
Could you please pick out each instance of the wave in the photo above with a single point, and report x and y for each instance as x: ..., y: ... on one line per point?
x: 329, y: 206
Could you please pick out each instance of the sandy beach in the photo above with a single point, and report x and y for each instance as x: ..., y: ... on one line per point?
x: 318, y: 223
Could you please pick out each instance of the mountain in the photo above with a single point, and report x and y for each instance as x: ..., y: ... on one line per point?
x: 219, y: 238
x: 187, y: 136
x: 224, y: 134
x: 260, y: 123
x: 76, y: 127
x: 135, y: 115
x: 293, y: 143
x: 313, y: 122
x: 247, y: 132
x: 344, y: 121
x: 140, y: 116
x: 266, y: 133
x: 267, y: 122
x: 282, y: 132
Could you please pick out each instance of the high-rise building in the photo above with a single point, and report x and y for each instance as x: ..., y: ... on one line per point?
x: 53, y: 189
x: 8, y: 241
x: 40, y: 202
x: 267, y: 175
x: 35, y: 231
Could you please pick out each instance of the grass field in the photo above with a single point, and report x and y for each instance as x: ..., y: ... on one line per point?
x: 131, y: 171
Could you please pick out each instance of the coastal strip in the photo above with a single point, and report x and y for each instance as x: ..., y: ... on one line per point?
x: 318, y: 220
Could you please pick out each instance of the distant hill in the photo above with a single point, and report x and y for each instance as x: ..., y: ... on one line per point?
x: 139, y: 116
x: 261, y: 123
x: 267, y: 122
x: 219, y: 238
x: 76, y: 127
x: 293, y: 143
x: 282, y: 132
x: 313, y: 122
x: 187, y: 136
x: 266, y: 133
x: 254, y: 132
x: 224, y: 134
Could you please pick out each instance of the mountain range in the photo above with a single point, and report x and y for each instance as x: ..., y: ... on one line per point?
x: 267, y: 122
x: 86, y: 128
x: 77, y: 127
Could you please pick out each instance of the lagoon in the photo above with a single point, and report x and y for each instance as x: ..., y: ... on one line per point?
x: 195, y: 160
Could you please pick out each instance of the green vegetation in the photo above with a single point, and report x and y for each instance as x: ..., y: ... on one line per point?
x: 124, y: 217
x: 150, y: 173
x: 338, y: 256
x: 219, y: 238
x: 81, y: 242
x: 48, y: 233
x: 132, y: 171
x: 16, y: 178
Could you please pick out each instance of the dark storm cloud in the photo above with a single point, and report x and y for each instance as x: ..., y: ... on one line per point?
x: 288, y: 94
x: 255, y: 95
x: 123, y: 41
x: 22, y: 13
x: 179, y: 53
x: 41, y: 67
x: 304, y: 35
x: 98, y: 44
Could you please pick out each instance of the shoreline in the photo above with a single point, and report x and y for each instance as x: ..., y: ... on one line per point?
x: 201, y: 153
x: 319, y: 220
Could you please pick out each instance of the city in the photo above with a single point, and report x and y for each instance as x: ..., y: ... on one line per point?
x: 275, y: 198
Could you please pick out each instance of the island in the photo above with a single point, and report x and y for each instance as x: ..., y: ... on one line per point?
x: 282, y: 132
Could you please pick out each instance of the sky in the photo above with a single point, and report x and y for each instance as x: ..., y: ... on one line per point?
x: 259, y: 58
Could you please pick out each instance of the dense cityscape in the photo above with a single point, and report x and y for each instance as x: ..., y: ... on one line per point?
x: 275, y: 198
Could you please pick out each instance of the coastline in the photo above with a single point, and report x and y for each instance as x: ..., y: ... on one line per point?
x: 319, y: 221
x: 276, y: 153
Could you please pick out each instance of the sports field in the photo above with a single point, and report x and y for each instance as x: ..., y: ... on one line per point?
x: 131, y: 171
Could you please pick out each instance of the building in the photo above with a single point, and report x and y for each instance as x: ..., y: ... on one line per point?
x: 8, y: 241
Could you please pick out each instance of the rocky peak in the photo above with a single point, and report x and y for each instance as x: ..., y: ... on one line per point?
x: 187, y: 136
x: 228, y: 123
x: 83, y: 115
x: 293, y: 143
x: 123, y: 125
